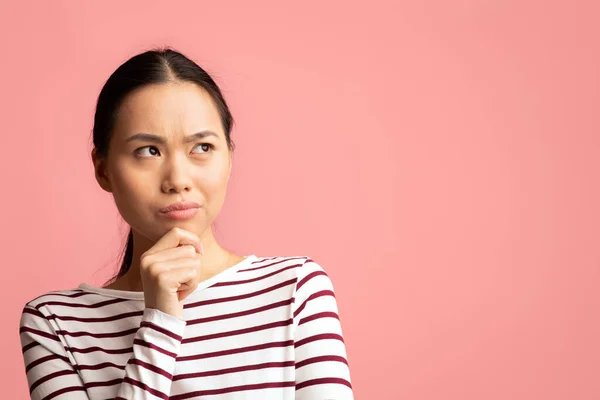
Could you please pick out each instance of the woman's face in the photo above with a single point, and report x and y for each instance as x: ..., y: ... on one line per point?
x: 146, y: 174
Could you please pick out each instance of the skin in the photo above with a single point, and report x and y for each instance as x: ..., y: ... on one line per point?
x: 145, y: 176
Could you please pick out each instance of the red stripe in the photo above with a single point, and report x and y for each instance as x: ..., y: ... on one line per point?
x: 262, y: 266
x: 150, y: 367
x: 91, y: 349
x: 240, y: 313
x: 33, y: 311
x: 271, y: 264
x: 309, y: 277
x: 154, y: 347
x: 83, y: 367
x: 146, y: 388
x: 47, y: 335
x: 99, y: 335
x: 241, y: 296
x: 78, y: 305
x: 56, y: 293
x: 44, y: 359
x: 313, y: 296
x: 236, y: 350
x: 64, y: 390
x: 322, y: 336
x: 49, y: 377
x: 161, y: 330
x: 113, y: 382
x: 103, y: 319
x: 239, y: 331
x: 282, y: 364
x: 230, y: 283
x: 29, y: 346
x: 326, y: 314
x: 230, y: 389
x: 313, y: 360
x: 322, y: 381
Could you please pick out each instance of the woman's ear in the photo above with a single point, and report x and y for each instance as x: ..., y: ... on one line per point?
x: 100, y: 171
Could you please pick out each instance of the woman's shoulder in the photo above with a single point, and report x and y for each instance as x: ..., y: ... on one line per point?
x: 302, y: 268
x: 302, y: 265
x: 37, y: 312
x: 57, y: 297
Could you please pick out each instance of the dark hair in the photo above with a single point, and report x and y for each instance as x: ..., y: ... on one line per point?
x: 151, y: 67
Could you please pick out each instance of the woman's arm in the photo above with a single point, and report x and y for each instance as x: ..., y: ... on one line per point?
x: 148, y: 373
x: 322, y: 370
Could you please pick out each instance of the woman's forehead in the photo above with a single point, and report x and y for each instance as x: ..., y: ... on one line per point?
x: 167, y: 108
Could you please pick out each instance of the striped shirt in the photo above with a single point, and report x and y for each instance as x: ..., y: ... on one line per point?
x: 265, y: 328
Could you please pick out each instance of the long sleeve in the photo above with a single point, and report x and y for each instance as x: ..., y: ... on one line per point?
x: 322, y: 370
x: 50, y: 369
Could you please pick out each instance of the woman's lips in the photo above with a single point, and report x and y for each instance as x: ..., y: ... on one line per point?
x: 181, y: 210
x: 181, y: 214
x: 180, y: 205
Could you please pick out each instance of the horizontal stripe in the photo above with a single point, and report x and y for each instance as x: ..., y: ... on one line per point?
x: 239, y: 331
x: 78, y: 293
x: 29, y: 346
x: 231, y: 389
x: 47, y: 335
x: 313, y: 360
x: 271, y: 264
x: 241, y: 296
x: 113, y: 382
x: 326, y: 314
x: 99, y: 335
x: 150, y: 325
x: 33, y: 311
x: 258, y: 278
x: 96, y: 319
x: 232, y: 370
x: 322, y: 336
x: 256, y: 310
x: 84, y: 367
x: 50, y: 377
x: 141, y: 342
x: 323, y: 381
x: 69, y: 389
x: 51, y: 357
x: 147, y: 388
x: 238, y: 350
x: 150, y: 367
x: 308, y: 277
x: 80, y: 305
x: 313, y: 296
x: 92, y: 349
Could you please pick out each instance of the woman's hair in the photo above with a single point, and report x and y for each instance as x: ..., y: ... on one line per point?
x: 151, y: 67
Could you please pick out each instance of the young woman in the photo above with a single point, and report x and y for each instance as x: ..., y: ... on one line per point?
x: 185, y: 318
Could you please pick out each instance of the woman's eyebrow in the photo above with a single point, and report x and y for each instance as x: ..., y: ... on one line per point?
x: 148, y: 137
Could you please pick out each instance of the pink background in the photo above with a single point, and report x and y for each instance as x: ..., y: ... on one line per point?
x: 440, y: 159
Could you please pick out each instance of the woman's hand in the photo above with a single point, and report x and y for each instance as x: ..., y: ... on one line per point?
x: 170, y: 271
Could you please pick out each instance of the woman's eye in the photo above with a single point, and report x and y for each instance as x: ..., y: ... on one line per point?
x: 153, y: 150
x: 206, y: 147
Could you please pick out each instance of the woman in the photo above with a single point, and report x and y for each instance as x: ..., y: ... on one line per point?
x: 185, y: 318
